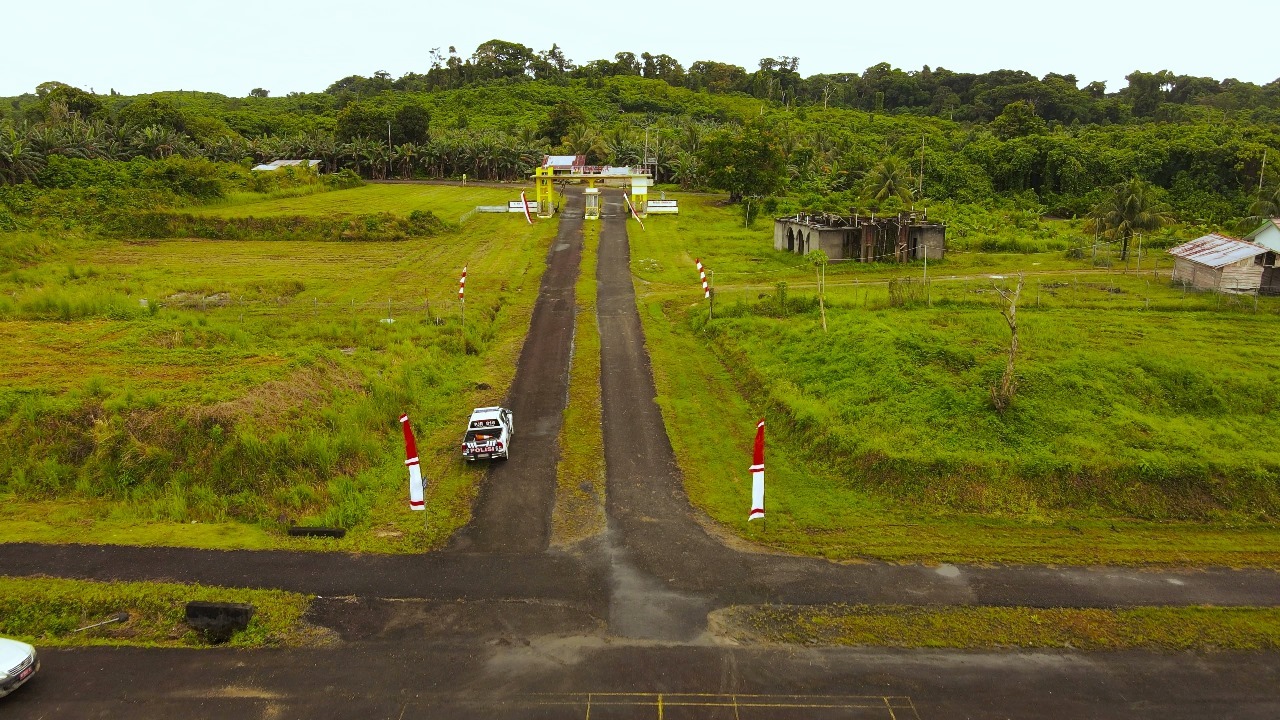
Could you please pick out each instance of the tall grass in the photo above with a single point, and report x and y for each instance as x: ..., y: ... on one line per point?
x: 259, y: 383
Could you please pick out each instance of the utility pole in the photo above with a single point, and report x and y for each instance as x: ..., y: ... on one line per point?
x: 711, y: 301
x: 924, y: 250
x: 1263, y: 171
x: 1139, y: 271
x: 388, y: 149
x: 920, y: 180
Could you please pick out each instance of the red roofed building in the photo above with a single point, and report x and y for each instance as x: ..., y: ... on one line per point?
x: 564, y: 163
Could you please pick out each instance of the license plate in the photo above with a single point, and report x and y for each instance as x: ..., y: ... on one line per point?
x: 23, y: 675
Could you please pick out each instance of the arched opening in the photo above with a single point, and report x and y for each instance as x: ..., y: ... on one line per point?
x: 791, y: 240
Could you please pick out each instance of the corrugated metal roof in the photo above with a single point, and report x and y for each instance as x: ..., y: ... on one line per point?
x: 1216, y: 250
x: 564, y: 161
x: 277, y: 164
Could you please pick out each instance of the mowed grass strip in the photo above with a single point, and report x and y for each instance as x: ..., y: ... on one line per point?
x: 449, y: 202
x: 579, y: 507
x: 46, y: 612
x: 1174, y: 629
x: 1133, y: 440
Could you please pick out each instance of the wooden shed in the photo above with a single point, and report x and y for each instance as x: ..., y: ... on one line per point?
x: 1218, y: 262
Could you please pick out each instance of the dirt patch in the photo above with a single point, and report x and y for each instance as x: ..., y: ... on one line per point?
x: 198, y: 300
x: 277, y: 399
x: 502, y: 622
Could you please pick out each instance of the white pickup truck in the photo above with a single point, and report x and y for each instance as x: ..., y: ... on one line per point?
x: 488, y: 434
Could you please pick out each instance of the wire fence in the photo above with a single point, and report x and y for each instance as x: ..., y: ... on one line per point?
x: 1110, y: 290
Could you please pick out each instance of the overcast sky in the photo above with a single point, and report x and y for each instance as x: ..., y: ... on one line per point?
x: 233, y: 46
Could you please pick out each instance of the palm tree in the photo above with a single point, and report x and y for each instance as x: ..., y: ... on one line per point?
x: 376, y: 156
x: 623, y: 148
x: 887, y: 179
x: 405, y: 157
x: 1131, y: 207
x: 583, y: 140
x: 686, y: 169
x: 228, y: 149
x: 1267, y: 206
x: 691, y: 137
x: 322, y: 146
x: 19, y: 162
x: 157, y: 141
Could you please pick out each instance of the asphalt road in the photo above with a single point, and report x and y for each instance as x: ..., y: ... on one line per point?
x: 598, y: 679
x: 500, y: 626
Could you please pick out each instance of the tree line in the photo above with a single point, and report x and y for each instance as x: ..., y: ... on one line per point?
x: 882, y: 139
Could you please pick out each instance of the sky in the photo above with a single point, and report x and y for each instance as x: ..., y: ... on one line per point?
x: 233, y: 46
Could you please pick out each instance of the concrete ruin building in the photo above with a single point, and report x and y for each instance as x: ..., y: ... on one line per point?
x: 901, y: 238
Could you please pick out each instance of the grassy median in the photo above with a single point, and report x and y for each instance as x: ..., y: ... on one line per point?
x: 1204, y: 629
x: 579, y: 508
x: 47, y: 612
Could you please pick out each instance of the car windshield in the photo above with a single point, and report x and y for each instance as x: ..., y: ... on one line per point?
x: 484, y: 435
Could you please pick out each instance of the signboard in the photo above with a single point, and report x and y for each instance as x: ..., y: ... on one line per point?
x: 660, y: 207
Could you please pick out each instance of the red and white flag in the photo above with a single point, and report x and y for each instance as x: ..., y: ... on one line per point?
x: 416, y: 499
x: 462, y: 284
x: 525, y: 202
x: 702, y: 273
x: 757, y: 475
x: 626, y: 197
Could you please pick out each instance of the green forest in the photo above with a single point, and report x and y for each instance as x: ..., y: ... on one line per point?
x: 880, y: 140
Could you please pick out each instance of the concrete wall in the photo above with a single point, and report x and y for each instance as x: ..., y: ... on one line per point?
x: 932, y: 242
x: 801, y: 238
x: 881, y: 242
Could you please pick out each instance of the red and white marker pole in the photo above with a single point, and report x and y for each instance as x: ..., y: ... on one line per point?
x: 632, y: 208
x: 757, y: 475
x: 702, y: 274
x: 417, y: 499
x: 462, y: 298
x: 525, y: 202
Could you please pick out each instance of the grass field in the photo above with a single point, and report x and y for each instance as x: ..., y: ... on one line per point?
x: 449, y: 202
x: 1138, y: 435
x: 257, y: 386
x: 48, y: 612
x: 580, y: 473
x: 743, y: 259
x: 1199, y: 629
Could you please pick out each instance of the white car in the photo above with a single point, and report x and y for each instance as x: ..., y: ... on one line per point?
x: 18, y: 664
x: 489, y: 434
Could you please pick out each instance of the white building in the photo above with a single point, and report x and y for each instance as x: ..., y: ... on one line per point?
x: 1268, y: 236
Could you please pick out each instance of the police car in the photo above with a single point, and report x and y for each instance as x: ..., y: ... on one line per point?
x: 489, y: 434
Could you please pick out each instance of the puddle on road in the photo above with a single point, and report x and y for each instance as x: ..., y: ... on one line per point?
x: 642, y: 608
